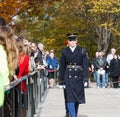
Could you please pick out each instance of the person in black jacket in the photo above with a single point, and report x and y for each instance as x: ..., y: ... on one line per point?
x: 115, y: 71
x: 73, y: 70
x: 100, y: 64
x: 39, y: 56
x: 40, y: 52
x: 94, y: 69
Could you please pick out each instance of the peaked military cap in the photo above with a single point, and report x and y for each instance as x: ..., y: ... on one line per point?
x: 72, y: 37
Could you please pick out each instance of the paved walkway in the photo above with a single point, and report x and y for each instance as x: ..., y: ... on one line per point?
x: 100, y: 103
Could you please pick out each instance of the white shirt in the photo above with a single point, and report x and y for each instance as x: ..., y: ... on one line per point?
x: 72, y: 48
x: 109, y: 58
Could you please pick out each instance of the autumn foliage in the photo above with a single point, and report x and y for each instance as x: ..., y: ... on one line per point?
x: 11, y: 8
x: 96, y: 21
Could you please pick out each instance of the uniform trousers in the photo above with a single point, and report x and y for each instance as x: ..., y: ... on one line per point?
x: 73, y: 108
x: 66, y: 108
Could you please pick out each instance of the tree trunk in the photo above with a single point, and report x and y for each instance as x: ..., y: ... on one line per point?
x: 104, y: 38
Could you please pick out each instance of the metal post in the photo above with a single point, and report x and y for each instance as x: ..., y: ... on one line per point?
x: 12, y: 98
x: 32, y: 97
x: 29, y: 114
x: 1, y: 112
x: 18, y: 102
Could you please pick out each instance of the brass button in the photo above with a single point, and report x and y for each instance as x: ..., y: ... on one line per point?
x: 75, y: 76
x: 75, y: 69
x: 70, y: 69
x: 69, y: 76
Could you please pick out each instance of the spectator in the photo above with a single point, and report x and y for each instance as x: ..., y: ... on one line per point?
x: 46, y: 54
x: 94, y: 67
x: 109, y: 58
x: 8, y: 58
x: 37, y: 62
x: 52, y: 63
x: 52, y: 51
x: 111, y: 55
x: 40, y: 50
x: 23, y: 61
x: 100, y: 64
x: 33, y: 54
x: 23, y: 69
x: 115, y: 71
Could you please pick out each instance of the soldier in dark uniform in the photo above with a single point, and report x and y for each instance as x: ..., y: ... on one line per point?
x: 73, y: 71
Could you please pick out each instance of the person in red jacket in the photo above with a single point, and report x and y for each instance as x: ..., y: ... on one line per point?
x: 23, y: 62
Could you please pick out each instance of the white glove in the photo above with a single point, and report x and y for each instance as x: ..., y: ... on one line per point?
x: 61, y: 86
x: 85, y: 84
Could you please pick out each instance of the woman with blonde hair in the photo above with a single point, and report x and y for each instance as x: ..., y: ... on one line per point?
x: 23, y: 61
x: 8, y: 58
x: 23, y: 70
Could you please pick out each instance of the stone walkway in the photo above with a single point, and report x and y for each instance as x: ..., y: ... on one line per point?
x: 99, y: 103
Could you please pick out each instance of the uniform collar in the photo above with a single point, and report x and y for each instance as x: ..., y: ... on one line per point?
x: 72, y: 48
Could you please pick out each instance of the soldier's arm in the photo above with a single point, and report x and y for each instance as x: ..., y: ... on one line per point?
x: 62, y: 69
x: 85, y: 66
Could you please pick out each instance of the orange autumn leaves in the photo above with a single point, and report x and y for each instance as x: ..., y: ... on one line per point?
x: 11, y: 8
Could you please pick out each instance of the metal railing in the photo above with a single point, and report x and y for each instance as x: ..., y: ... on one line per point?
x: 19, y: 104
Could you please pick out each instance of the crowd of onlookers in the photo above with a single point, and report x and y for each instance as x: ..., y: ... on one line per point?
x: 32, y: 57
x: 106, y: 69
x: 19, y: 57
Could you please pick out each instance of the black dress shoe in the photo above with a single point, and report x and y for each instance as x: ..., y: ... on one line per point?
x: 67, y: 115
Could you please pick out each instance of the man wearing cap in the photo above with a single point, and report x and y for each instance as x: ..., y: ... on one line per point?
x: 73, y: 71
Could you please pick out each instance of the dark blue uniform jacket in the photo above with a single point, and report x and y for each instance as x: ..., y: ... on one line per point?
x: 73, y: 78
